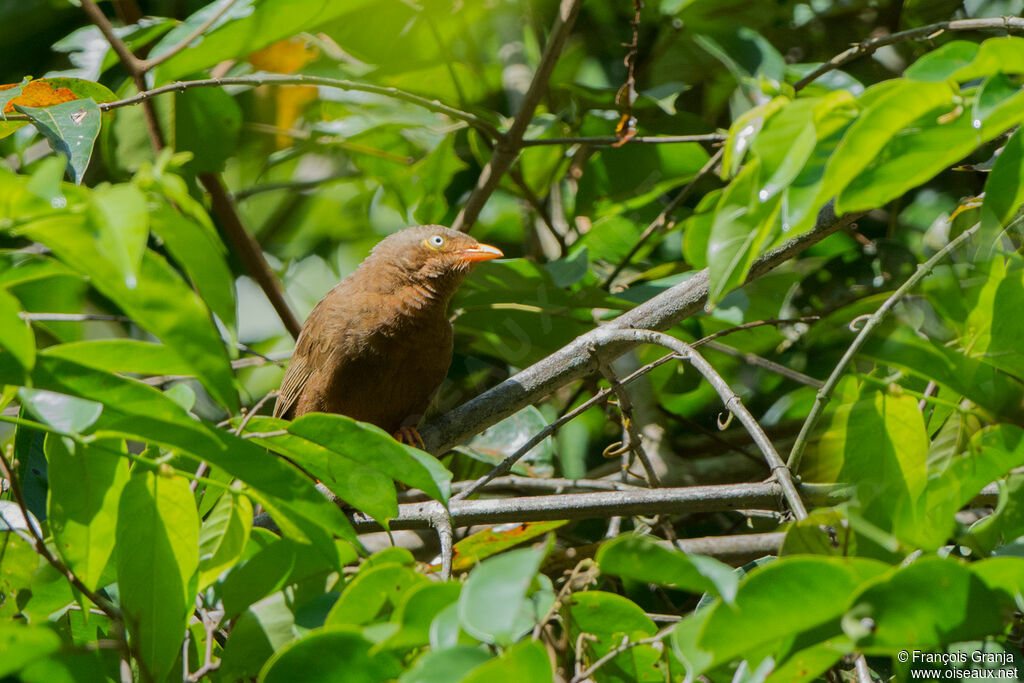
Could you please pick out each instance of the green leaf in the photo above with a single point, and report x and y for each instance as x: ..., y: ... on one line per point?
x: 243, y: 29
x: 930, y: 603
x: 370, y: 444
x: 118, y: 215
x: 742, y: 227
x: 609, y: 618
x: 501, y: 440
x: 930, y: 145
x: 201, y: 255
x: 976, y: 379
x: 138, y: 411
x: 993, y: 453
x: 340, y: 653
x: 822, y: 587
x: 9, y: 94
x: 157, y: 561
x: 1006, y: 523
x: 16, y: 334
x: 941, y: 64
x: 21, y: 645
x: 162, y: 303
x: 256, y: 635
x: 372, y: 590
x: 879, y: 444
x: 66, y: 414
x: 993, y: 326
x: 807, y: 664
x: 525, y: 661
x: 416, y: 611
x: 206, y: 123
x: 18, y: 563
x: 493, y: 605
x: 121, y: 355
x: 1004, y: 189
x: 444, y: 666
x: 70, y: 128
x: 643, y: 559
x: 895, y: 105
x: 743, y: 131
x: 67, y: 667
x: 85, y: 487
x: 995, y: 55
x: 360, y: 483
x: 223, y: 536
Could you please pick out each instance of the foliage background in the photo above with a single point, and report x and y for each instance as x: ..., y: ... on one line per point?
x: 136, y: 312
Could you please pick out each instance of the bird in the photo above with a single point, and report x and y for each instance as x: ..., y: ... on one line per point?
x: 378, y: 345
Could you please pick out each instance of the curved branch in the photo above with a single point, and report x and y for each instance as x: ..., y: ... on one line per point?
x: 573, y: 361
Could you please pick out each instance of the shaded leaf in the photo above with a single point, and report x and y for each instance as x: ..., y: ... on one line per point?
x: 71, y: 129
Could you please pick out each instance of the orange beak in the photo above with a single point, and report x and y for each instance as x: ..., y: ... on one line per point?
x: 481, y: 252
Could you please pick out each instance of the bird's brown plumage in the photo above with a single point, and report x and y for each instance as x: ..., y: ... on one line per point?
x: 377, y: 347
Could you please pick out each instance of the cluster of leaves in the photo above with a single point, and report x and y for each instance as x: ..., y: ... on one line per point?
x: 127, y: 543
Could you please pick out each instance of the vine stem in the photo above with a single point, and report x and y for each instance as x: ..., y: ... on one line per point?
x: 870, y: 323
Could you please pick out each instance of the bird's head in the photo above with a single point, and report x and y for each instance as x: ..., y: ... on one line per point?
x: 431, y: 255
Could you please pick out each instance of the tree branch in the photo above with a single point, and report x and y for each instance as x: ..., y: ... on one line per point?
x: 636, y: 501
x: 609, y: 140
x: 508, y: 146
x: 573, y: 361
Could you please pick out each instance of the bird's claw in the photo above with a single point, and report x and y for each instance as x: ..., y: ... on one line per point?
x: 410, y: 436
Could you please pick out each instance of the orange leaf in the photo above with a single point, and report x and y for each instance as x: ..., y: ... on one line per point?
x: 38, y: 94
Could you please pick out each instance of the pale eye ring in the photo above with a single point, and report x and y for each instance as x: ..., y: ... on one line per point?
x: 436, y: 241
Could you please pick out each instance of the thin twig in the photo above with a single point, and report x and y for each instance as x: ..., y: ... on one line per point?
x: 869, y: 46
x: 634, y: 441
x: 729, y: 398
x: 609, y: 140
x: 72, y: 317
x: 624, y: 645
x: 755, y: 323
x: 506, y: 464
x: 295, y: 185
x: 860, y: 664
x: 508, y: 146
x: 872, y: 321
x: 147, y: 64
x: 754, y: 359
x: 252, y: 411
x: 255, y: 80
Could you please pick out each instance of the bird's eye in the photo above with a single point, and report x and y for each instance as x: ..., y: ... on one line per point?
x: 436, y: 241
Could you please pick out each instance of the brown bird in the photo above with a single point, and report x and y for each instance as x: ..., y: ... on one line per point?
x: 378, y: 346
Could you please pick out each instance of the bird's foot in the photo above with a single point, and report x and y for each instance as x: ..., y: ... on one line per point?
x: 410, y: 436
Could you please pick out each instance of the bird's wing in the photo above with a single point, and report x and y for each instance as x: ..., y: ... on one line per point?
x: 299, y: 370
